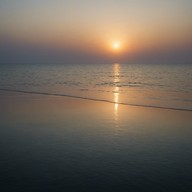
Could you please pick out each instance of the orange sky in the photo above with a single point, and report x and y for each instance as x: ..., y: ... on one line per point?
x: 93, y: 26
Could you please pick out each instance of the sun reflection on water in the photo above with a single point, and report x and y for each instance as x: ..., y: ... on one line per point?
x: 116, y: 80
x: 116, y: 98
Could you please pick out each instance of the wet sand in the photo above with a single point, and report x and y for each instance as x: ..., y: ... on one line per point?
x: 52, y: 143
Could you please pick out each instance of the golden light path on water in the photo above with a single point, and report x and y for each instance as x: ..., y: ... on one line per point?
x: 116, y: 68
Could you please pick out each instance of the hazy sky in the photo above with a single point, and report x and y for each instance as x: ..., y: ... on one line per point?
x: 83, y: 31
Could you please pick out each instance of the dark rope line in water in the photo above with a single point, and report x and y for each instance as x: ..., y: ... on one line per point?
x: 92, y: 99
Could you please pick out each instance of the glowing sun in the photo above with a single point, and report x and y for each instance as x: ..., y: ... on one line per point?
x: 116, y: 45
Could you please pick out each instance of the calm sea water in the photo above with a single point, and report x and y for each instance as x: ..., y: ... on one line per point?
x: 50, y: 143
x: 62, y: 144
x: 151, y: 85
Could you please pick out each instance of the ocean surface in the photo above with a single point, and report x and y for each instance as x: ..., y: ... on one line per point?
x: 55, y: 144
x: 62, y: 128
x: 167, y: 86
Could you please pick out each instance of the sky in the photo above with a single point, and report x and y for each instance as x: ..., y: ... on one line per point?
x: 96, y: 31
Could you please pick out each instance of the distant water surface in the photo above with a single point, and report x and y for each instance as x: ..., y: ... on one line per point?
x: 138, y: 84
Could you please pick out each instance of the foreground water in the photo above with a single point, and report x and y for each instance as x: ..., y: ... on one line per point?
x: 168, y: 86
x: 59, y: 144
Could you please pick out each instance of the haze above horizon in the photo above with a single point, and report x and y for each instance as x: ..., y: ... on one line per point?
x: 101, y: 31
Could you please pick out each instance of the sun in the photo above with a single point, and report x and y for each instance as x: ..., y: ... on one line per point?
x: 116, y: 45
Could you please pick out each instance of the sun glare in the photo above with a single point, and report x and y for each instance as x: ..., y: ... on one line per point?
x: 116, y: 45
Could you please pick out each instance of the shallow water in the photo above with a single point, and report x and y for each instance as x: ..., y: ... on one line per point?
x: 60, y: 144
x: 168, y: 86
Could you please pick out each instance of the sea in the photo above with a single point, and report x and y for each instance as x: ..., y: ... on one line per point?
x: 150, y: 85
x: 95, y: 128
